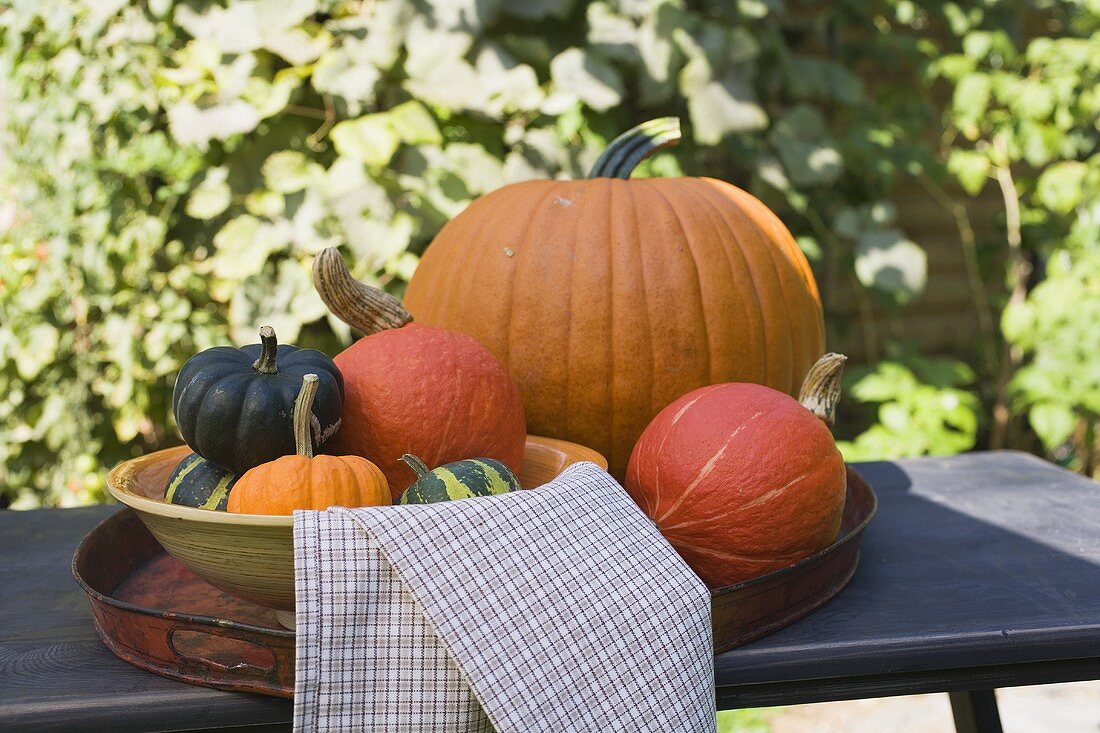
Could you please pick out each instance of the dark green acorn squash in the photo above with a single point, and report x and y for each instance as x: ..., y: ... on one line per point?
x: 235, y: 407
x: 198, y: 482
x: 458, y: 480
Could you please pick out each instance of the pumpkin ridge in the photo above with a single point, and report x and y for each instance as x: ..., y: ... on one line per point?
x: 570, y: 321
x: 204, y: 433
x: 472, y: 268
x: 613, y: 351
x: 748, y: 303
x: 457, y: 386
x: 744, y: 303
x: 243, y: 429
x: 738, y: 246
x: 810, y: 292
x: 645, y: 311
x: 686, y: 232
x: 349, y: 479
x: 523, y: 248
x: 748, y: 207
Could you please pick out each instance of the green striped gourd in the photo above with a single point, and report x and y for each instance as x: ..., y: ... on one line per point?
x: 197, y: 482
x: 458, y: 480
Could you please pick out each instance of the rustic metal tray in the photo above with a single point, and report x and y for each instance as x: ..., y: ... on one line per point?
x: 155, y: 614
x: 747, y: 611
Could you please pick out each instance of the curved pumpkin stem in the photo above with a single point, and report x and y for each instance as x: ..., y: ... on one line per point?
x: 362, y: 307
x: 303, y: 416
x: 821, y: 388
x: 269, y: 347
x: 626, y: 151
x: 418, y: 466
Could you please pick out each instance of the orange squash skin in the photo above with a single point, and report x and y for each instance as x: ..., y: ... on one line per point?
x: 434, y: 393
x: 741, y: 479
x: 607, y: 299
x: 300, y: 482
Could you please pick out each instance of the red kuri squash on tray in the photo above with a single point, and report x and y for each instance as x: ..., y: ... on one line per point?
x: 743, y: 479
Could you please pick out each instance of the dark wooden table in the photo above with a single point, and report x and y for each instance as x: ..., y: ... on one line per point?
x: 980, y: 571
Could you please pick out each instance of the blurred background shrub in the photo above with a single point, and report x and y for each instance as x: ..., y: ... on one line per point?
x: 169, y: 169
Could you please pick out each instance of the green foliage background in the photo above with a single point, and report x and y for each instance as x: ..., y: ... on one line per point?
x: 170, y: 168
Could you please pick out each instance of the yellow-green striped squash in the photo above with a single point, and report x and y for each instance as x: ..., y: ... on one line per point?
x: 458, y: 480
x: 196, y: 481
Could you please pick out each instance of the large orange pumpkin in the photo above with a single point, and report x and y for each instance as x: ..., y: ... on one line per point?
x: 429, y: 391
x: 606, y: 298
x: 742, y: 479
x: 305, y: 481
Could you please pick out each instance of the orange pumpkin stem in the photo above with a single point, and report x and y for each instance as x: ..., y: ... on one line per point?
x: 625, y: 152
x: 269, y: 347
x: 303, y: 416
x: 418, y: 466
x: 821, y: 388
x: 362, y: 307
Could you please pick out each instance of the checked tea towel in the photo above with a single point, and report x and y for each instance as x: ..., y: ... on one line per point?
x: 559, y: 609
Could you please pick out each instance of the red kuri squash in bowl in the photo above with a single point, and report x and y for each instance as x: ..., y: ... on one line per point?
x: 429, y: 391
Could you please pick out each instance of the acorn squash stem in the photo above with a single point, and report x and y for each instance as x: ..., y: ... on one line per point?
x: 418, y: 466
x: 269, y: 348
x: 303, y: 416
x: 625, y: 152
x: 362, y: 307
x: 821, y: 388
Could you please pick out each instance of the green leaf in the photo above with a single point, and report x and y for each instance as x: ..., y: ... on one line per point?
x: 612, y: 35
x: 348, y: 72
x: 971, y: 98
x: 191, y: 125
x: 887, y: 382
x: 297, y: 46
x: 970, y: 168
x: 1053, y: 423
x: 579, y: 73
x: 809, y: 158
x: 814, y: 78
x: 722, y: 107
x: 659, y: 53
x: 481, y: 171
x: 243, y: 246
x: 888, y: 261
x: 414, y: 124
x: 810, y: 247
x: 287, y: 302
x: 1061, y: 187
x: 211, y: 197
x: 288, y: 171
x: 370, y: 139
x: 1032, y: 99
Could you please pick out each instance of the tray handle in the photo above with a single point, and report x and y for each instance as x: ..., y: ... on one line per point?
x: 205, y: 662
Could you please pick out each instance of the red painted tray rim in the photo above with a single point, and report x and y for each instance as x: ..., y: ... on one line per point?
x: 80, y: 554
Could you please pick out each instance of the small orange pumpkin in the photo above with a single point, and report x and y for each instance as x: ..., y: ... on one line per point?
x: 305, y: 481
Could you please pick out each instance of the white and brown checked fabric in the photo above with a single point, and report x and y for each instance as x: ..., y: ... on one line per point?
x: 560, y: 609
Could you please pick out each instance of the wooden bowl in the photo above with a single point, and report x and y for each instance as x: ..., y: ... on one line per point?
x: 251, y: 556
